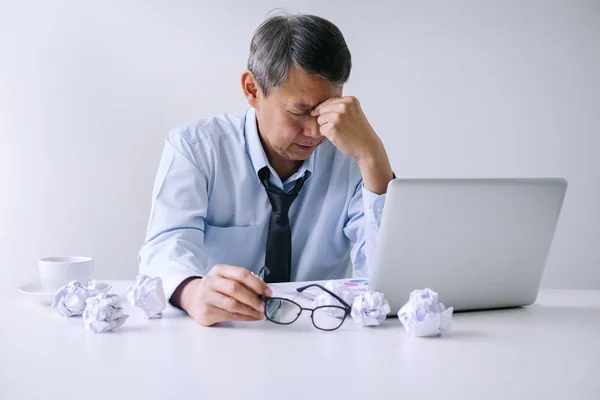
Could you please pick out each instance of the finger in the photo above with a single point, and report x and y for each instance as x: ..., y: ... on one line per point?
x: 337, y: 105
x: 232, y: 305
x: 225, y: 315
x: 238, y: 291
x: 245, y: 277
x: 327, y: 131
x: 341, y: 104
x: 215, y: 315
x: 329, y: 118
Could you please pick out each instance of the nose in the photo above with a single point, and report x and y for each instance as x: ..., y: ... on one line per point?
x: 311, y: 129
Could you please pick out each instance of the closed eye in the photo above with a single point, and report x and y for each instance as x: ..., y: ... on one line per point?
x: 299, y: 114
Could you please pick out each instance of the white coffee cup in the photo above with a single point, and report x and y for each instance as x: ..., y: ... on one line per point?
x: 56, y: 272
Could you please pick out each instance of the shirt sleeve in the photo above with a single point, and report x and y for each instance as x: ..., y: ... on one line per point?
x: 174, y: 246
x: 362, y: 226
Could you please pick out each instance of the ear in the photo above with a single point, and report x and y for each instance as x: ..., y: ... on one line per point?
x: 250, y: 88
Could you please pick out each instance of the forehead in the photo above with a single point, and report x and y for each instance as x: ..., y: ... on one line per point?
x: 306, y: 91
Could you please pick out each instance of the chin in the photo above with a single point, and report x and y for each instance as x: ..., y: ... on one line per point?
x: 300, y: 155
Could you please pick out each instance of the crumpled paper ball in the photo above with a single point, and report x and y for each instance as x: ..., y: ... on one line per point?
x: 325, y: 299
x: 370, y: 309
x: 70, y: 299
x: 148, y: 294
x: 103, y: 313
x: 424, y: 316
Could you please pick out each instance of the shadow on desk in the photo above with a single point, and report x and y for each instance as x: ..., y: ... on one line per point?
x: 270, y: 326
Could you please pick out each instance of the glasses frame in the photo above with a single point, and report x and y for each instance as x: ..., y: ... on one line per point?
x: 345, y: 307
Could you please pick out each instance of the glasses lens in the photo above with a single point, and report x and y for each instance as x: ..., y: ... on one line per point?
x: 328, y: 317
x: 282, y: 311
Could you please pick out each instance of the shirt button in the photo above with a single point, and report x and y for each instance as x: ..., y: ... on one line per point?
x: 380, y: 209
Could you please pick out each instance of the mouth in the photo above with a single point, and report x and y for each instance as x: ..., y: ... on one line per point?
x: 306, y: 148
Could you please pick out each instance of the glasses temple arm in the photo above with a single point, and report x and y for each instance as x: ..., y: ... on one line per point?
x: 338, y: 298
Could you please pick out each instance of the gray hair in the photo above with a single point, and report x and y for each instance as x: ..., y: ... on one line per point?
x: 308, y: 42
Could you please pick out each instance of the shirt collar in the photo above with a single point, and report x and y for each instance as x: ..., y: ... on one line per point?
x: 259, y: 157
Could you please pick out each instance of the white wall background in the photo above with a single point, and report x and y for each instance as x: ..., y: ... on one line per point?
x: 88, y: 91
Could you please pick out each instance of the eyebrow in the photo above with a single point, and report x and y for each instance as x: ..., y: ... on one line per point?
x: 304, y: 106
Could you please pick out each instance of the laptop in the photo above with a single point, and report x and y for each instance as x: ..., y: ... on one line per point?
x: 479, y: 243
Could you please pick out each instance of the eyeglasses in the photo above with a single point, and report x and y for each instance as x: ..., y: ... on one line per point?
x: 327, y: 318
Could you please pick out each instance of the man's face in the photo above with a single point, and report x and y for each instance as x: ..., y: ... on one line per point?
x: 286, y: 126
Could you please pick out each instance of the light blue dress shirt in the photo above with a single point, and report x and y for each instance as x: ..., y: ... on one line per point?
x: 209, y: 207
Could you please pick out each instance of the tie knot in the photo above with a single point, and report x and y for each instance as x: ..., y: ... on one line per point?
x: 280, y: 201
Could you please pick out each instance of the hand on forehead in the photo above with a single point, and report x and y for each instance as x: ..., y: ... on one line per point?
x: 305, y: 92
x: 334, y: 104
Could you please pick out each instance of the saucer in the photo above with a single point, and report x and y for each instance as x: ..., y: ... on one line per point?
x: 35, y: 291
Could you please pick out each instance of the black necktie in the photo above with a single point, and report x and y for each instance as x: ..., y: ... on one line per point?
x: 278, y: 258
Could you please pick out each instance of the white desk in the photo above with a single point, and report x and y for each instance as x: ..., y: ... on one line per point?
x: 547, y: 351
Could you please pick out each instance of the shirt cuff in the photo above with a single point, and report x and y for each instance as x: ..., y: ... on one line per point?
x: 172, y: 282
x: 373, y: 204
